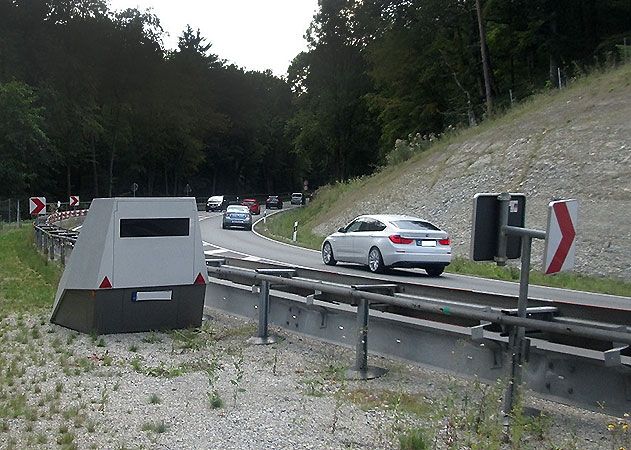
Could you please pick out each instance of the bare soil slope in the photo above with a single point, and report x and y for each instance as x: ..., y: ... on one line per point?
x: 575, y: 143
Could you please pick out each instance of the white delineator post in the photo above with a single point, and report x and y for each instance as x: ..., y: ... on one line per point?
x: 293, y: 238
x: 265, y: 216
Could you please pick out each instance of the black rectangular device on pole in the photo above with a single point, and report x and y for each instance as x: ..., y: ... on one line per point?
x: 486, y: 222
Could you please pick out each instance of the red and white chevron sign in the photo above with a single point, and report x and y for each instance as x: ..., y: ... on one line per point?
x: 560, y: 243
x: 74, y: 200
x: 37, y: 205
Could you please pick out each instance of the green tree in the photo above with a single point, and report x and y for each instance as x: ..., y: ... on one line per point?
x: 23, y: 143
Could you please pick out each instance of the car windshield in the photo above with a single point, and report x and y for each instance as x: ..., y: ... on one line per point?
x: 296, y: 195
x: 216, y: 198
x: 273, y: 197
x: 411, y: 224
x: 237, y: 209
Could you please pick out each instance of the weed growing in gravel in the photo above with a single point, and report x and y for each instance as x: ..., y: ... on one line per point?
x: 620, y: 432
x: 166, y: 371
x: 237, y: 362
x: 154, y: 399
x: 104, y: 398
x: 414, y: 439
x: 213, y: 377
x: 156, y: 427
x: 133, y: 348
x: 136, y: 363
x: 152, y: 338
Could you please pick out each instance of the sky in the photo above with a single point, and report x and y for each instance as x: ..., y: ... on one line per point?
x: 254, y: 34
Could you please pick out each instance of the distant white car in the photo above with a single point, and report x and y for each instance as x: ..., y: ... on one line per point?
x: 297, y: 198
x: 237, y: 216
x: 383, y: 241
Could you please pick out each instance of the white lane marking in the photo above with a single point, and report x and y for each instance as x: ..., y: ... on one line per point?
x: 275, y: 241
x: 216, y: 251
x: 252, y: 258
x: 206, y: 243
x: 77, y: 228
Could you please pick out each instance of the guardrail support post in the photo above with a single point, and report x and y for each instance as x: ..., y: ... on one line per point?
x: 262, y: 337
x: 362, y: 371
x: 62, y: 252
x: 517, y: 343
x: 51, y: 253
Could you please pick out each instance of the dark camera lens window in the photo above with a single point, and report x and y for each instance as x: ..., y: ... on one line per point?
x: 154, y: 227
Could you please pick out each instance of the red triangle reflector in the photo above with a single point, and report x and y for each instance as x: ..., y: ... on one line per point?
x: 199, y: 279
x: 105, y: 284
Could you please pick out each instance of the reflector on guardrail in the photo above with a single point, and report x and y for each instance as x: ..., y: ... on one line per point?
x: 127, y: 249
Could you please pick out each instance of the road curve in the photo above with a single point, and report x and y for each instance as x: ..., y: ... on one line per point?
x: 249, y: 245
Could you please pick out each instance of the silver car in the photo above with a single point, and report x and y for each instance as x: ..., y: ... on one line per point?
x: 382, y: 241
x: 237, y: 216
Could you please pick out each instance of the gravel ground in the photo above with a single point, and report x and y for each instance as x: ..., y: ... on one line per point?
x: 573, y: 144
x: 61, y: 389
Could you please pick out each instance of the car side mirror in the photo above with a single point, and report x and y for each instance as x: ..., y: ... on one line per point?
x: 342, y: 230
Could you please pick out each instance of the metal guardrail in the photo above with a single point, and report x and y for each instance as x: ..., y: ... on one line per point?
x: 55, y: 242
x: 571, y: 374
x: 566, y: 312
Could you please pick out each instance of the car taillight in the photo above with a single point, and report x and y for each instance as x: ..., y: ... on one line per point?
x: 444, y: 241
x: 396, y: 239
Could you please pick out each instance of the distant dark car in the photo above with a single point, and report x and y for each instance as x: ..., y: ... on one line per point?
x: 221, y: 202
x: 237, y: 216
x: 253, y: 204
x: 273, y: 201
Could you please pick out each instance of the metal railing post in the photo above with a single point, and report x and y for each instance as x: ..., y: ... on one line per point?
x: 51, y: 253
x: 518, y: 344
x: 362, y: 371
x: 263, y: 337
x: 45, y: 243
x: 62, y: 252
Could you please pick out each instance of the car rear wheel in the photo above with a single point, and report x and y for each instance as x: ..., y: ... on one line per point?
x: 327, y: 255
x: 223, y: 225
x: 375, y: 261
x: 435, y: 271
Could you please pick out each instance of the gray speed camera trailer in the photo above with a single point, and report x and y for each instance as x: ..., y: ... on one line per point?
x: 138, y: 265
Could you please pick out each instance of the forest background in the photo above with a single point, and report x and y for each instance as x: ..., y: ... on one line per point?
x: 91, y: 101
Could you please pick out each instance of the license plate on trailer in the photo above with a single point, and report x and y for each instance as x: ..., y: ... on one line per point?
x: 426, y: 243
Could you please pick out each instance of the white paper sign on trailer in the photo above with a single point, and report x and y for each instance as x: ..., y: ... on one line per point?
x: 139, y: 258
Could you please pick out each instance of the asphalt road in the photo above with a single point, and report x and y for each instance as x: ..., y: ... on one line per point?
x: 246, y: 244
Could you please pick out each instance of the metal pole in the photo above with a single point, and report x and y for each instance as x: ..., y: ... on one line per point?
x: 361, y: 347
x: 51, y: 253
x: 517, y: 339
x: 19, y: 224
x: 559, y: 76
x: 262, y: 337
x: 503, y: 199
x: 62, y: 250
x: 362, y: 371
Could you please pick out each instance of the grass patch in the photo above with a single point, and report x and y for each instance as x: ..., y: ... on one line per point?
x: 155, y: 427
x: 368, y: 399
x: 27, y: 279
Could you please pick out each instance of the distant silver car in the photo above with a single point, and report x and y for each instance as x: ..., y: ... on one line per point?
x: 237, y: 216
x: 382, y: 241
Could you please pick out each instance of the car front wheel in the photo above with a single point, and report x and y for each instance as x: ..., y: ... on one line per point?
x: 375, y: 261
x: 435, y: 271
x: 327, y: 255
